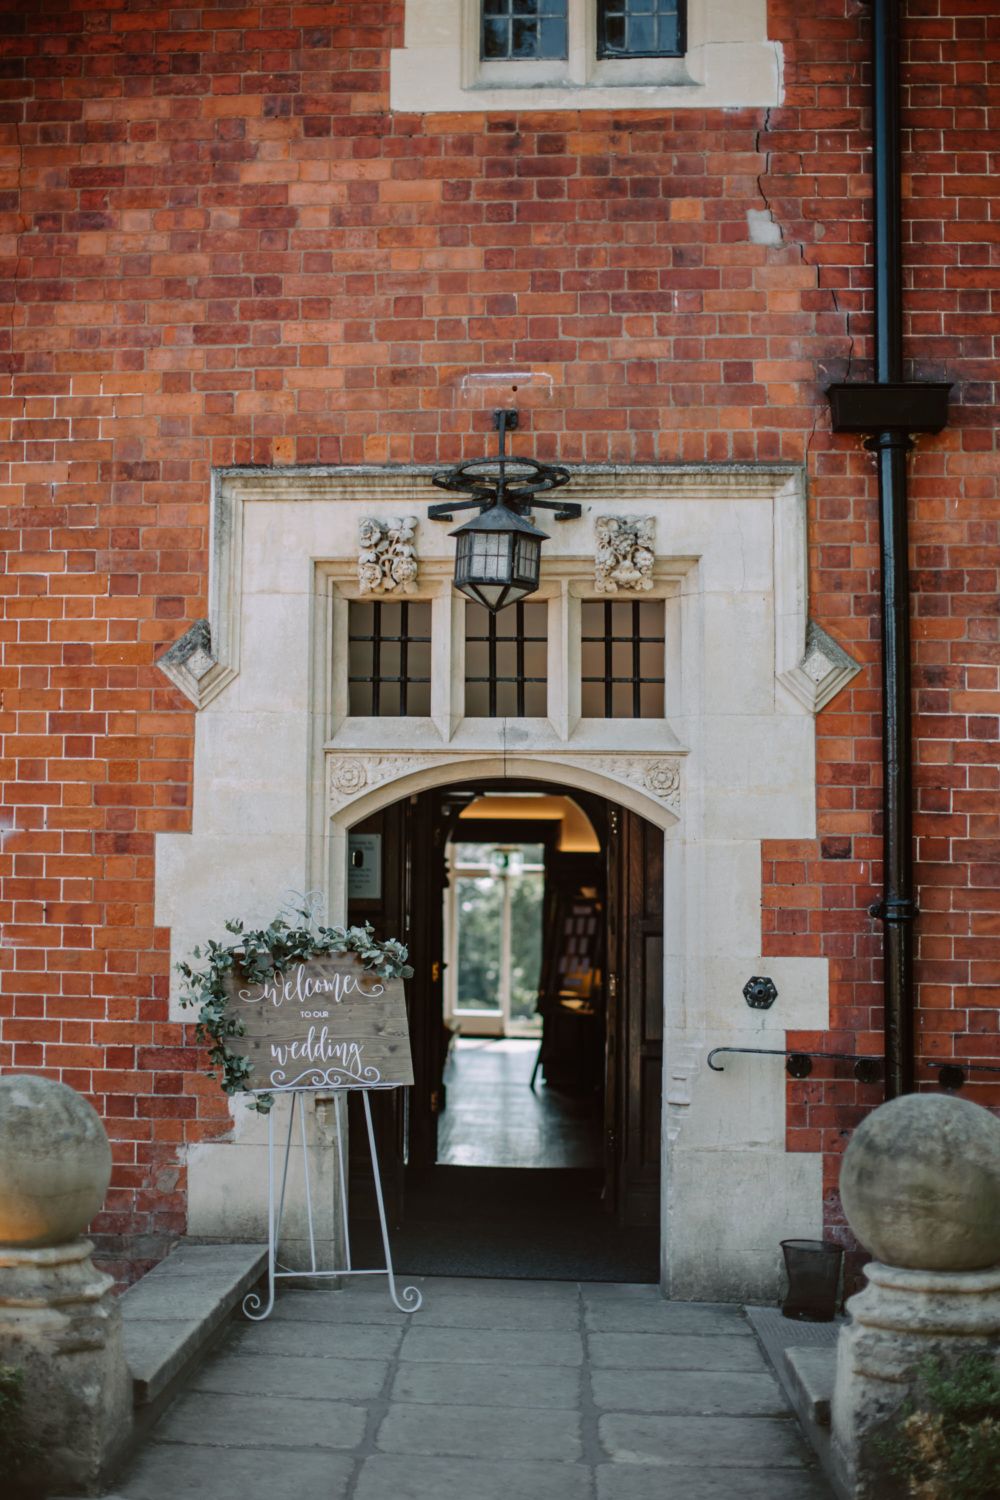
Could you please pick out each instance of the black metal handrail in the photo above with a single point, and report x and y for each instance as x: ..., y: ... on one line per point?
x: 799, y: 1063
x: 951, y: 1075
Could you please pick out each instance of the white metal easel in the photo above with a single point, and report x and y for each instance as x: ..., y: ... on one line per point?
x: 310, y: 906
x: 411, y: 1297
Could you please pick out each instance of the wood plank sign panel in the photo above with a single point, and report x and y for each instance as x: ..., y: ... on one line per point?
x: 326, y: 1023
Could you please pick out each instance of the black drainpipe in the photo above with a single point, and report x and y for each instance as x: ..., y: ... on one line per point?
x: 889, y: 410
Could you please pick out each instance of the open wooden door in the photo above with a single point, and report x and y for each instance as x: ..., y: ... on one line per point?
x: 424, y: 935
x: 634, y: 1057
x: 407, y: 906
x: 382, y: 844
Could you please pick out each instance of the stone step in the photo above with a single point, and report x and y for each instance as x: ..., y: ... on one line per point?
x: 804, y: 1358
x: 811, y: 1373
x: 175, y: 1313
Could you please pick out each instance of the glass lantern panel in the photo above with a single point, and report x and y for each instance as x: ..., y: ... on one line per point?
x: 491, y: 592
x: 526, y: 559
x: 489, y: 555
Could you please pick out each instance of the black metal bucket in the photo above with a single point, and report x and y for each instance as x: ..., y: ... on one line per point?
x: 813, y: 1268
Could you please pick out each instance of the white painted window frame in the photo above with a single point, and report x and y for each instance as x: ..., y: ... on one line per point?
x: 729, y: 63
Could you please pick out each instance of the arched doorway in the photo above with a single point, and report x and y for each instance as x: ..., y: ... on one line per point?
x: 529, y: 1144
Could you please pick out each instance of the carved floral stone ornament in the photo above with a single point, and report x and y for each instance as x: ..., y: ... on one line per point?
x: 387, y: 556
x: 350, y: 775
x: 661, y: 778
x: 624, y: 557
x: 347, y: 775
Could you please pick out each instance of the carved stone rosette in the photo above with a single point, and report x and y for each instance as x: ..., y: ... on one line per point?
x: 660, y: 778
x: 387, y: 556
x: 624, y: 556
x: 348, y: 776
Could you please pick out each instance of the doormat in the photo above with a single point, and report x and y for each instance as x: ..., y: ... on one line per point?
x: 540, y: 1224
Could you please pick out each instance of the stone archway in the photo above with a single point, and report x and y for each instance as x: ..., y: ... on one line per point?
x: 359, y: 785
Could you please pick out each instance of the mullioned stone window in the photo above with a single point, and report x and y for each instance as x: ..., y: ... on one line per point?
x: 478, y: 55
x: 389, y: 659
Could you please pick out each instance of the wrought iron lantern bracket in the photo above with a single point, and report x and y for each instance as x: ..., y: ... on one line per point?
x: 517, y: 483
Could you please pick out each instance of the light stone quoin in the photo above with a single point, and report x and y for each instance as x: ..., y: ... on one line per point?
x: 282, y: 772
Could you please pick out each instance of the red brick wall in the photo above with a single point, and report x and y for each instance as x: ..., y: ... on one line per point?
x: 219, y: 247
x: 818, y: 892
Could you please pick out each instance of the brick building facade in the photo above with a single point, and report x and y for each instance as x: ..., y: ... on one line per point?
x: 221, y: 246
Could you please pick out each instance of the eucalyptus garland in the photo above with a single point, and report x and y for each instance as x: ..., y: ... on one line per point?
x: 255, y: 957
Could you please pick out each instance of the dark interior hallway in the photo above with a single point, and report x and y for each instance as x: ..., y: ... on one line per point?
x: 517, y: 1190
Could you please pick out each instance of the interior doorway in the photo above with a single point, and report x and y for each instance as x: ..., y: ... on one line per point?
x: 529, y: 1142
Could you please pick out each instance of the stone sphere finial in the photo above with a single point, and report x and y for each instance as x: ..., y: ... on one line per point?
x: 55, y: 1162
x: 920, y: 1184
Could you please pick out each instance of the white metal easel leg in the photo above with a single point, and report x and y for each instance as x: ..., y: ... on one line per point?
x: 252, y: 1300
x: 411, y: 1297
x: 343, y: 1179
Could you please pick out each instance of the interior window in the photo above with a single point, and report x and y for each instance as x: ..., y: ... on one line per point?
x: 506, y: 661
x: 524, y: 29
x: 389, y: 660
x: 497, y: 912
x: 622, y: 659
x: 640, y: 28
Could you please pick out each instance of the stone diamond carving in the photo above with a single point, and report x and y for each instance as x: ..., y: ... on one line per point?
x: 624, y: 557
x: 192, y: 665
x: 200, y: 662
x: 824, y: 669
x: 387, y: 556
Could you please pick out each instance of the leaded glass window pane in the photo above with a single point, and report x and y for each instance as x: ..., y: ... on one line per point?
x: 523, y: 29
x: 389, y: 659
x: 506, y: 661
x: 640, y: 28
x: 622, y: 659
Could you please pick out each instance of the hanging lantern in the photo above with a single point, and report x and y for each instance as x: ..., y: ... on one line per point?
x: 499, y: 557
x: 499, y: 553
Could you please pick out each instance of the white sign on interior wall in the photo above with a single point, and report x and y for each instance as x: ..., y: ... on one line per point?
x: 364, y: 867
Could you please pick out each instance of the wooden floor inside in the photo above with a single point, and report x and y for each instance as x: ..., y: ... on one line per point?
x: 494, y: 1118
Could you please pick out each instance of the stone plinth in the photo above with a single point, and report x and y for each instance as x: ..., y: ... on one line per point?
x: 901, y: 1317
x: 60, y: 1321
x: 920, y: 1185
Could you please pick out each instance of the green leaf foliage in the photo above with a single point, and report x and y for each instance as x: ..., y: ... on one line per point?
x: 255, y: 957
x: 951, y: 1450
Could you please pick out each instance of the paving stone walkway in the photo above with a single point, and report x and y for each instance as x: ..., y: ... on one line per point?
x: 494, y: 1390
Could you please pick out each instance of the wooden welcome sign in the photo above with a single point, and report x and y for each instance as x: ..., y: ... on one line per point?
x: 324, y: 1023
